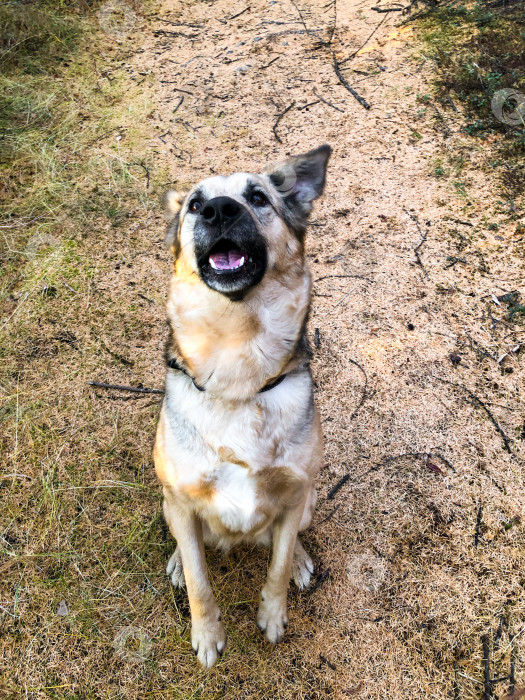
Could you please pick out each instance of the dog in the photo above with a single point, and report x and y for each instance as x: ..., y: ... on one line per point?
x: 239, y: 439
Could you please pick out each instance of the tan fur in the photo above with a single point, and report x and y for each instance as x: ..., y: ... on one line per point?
x: 237, y: 465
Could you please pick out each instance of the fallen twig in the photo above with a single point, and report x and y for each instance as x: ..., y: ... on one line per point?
x: 328, y: 663
x: 359, y: 277
x: 279, y: 117
x: 423, y: 240
x: 240, y: 13
x: 387, y: 9
x: 178, y: 24
x: 167, y: 32
x: 345, y: 84
x: 309, y: 104
x: 327, y: 103
x: 336, y: 488
x: 365, y: 392
x: 135, y: 389
x: 146, y: 171
x: 322, y: 578
x: 178, y: 104
x: 270, y: 63
x: 487, y: 685
x: 333, y: 512
x: 479, y: 518
x: 473, y: 396
x: 354, y: 54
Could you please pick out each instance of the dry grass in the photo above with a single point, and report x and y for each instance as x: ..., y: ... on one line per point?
x: 418, y: 573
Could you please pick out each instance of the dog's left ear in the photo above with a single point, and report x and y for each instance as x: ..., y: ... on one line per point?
x: 172, y: 202
x: 300, y: 180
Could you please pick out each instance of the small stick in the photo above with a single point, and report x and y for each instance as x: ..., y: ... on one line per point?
x: 146, y: 171
x: 473, y: 396
x: 322, y: 578
x: 329, y: 515
x: 240, y: 13
x: 455, y: 684
x: 359, y: 277
x: 423, y: 240
x: 328, y: 663
x: 279, y: 117
x: 479, y: 517
x: 178, y: 24
x: 178, y: 104
x: 512, y: 677
x: 354, y: 54
x: 317, y: 338
x: 344, y: 83
x: 387, y: 9
x: 309, y: 104
x: 269, y: 64
x: 327, y: 103
x: 135, y: 389
x: 336, y: 488
x: 167, y: 32
x: 487, y: 685
x: 455, y: 110
x: 365, y: 393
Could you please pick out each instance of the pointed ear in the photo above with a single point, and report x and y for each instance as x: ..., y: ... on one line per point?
x: 172, y: 202
x: 300, y: 180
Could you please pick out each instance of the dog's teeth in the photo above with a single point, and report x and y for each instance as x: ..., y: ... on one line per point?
x: 213, y: 264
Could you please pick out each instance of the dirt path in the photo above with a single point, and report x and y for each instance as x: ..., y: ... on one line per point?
x: 423, y: 544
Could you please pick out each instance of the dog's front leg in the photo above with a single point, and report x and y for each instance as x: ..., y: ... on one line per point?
x: 208, y: 637
x: 272, y: 618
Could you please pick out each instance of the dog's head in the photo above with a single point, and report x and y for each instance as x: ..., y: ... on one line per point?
x: 229, y: 231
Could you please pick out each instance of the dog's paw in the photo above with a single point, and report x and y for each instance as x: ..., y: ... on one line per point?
x: 175, y: 570
x: 208, y: 639
x: 302, y: 567
x: 271, y: 617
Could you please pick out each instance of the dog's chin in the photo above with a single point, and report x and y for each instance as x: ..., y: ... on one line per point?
x: 231, y: 270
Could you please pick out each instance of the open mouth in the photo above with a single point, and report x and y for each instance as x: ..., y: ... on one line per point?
x: 226, y: 257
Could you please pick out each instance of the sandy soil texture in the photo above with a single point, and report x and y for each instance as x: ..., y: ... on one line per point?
x: 418, y: 365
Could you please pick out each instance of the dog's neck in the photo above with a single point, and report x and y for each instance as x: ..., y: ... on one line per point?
x: 234, y: 348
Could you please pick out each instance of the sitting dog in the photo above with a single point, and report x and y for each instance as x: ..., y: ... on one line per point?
x: 239, y: 439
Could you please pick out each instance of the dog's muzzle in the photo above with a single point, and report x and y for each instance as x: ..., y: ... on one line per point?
x: 230, y: 251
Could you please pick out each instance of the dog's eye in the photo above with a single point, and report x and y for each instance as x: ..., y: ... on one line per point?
x: 195, y: 205
x: 258, y: 199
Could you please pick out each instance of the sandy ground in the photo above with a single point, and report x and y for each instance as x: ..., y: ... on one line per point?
x: 420, y: 553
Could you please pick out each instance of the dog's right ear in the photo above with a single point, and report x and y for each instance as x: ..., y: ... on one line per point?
x: 172, y: 202
x: 299, y: 180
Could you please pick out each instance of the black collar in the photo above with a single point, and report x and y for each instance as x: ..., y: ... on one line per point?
x: 173, y: 364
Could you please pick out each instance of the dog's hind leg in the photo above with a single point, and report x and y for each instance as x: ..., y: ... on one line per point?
x: 175, y: 570
x: 272, y: 617
x: 302, y: 566
x: 208, y: 637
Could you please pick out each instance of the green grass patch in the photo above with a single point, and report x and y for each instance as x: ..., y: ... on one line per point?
x: 479, y: 49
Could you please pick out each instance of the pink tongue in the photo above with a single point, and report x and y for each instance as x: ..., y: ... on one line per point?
x: 228, y: 260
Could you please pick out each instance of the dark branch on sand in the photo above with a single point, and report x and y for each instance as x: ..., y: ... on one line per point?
x: 328, y: 103
x: 336, y: 488
x: 322, y: 578
x: 134, y: 389
x: 480, y: 403
x: 279, y: 117
x: 359, y: 277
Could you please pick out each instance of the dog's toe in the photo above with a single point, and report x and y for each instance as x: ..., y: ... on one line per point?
x: 272, y: 619
x: 175, y: 570
x: 302, y: 567
x: 208, y: 640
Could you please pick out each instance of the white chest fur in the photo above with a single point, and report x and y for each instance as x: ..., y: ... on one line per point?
x: 224, y: 456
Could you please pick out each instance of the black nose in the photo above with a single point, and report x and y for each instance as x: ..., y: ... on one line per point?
x: 221, y: 210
